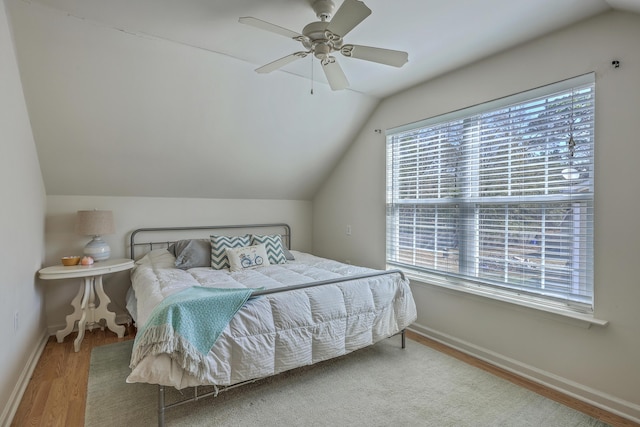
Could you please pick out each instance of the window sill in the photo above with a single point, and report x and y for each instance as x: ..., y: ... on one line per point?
x: 575, y: 317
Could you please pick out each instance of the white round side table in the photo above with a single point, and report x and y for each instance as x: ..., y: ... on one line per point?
x: 85, y: 310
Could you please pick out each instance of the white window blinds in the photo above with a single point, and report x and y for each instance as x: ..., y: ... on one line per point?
x: 500, y: 196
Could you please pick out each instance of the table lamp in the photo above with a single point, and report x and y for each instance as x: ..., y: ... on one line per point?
x: 96, y: 223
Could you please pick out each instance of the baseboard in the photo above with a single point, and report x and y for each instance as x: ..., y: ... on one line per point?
x: 121, y: 319
x: 578, y: 391
x: 18, y: 391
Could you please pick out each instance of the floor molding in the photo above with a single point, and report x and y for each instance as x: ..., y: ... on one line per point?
x: 18, y: 391
x: 578, y: 391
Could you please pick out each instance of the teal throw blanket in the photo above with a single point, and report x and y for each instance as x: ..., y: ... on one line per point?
x: 187, y: 324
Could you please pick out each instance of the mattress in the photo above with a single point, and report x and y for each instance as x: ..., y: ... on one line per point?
x: 275, y: 332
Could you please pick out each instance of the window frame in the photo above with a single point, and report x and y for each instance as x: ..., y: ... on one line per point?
x: 582, y: 310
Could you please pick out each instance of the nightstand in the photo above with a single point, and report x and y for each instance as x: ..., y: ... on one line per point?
x: 84, y: 307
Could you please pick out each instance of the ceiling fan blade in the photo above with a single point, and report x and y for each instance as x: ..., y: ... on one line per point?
x: 350, y: 14
x: 264, y: 25
x: 278, y: 63
x: 394, y: 58
x: 335, y: 76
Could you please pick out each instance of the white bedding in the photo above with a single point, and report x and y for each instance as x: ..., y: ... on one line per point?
x: 275, y: 332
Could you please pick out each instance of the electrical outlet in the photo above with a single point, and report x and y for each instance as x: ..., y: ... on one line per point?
x: 348, y: 231
x: 16, y: 320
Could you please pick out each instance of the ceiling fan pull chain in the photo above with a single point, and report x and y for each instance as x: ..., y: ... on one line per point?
x: 311, y: 56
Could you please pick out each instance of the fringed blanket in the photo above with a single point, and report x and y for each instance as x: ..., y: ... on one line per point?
x: 186, y: 325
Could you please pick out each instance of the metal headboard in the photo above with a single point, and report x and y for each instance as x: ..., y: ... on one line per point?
x: 137, y: 236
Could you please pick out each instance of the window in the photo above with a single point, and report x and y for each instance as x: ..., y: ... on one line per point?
x: 499, y: 197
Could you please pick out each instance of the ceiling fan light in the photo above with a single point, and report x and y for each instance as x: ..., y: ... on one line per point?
x: 321, y: 50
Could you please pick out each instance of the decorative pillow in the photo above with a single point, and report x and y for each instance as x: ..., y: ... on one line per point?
x: 273, y: 244
x: 288, y: 255
x: 220, y: 243
x: 177, y: 246
x: 247, y: 257
x: 172, y: 249
x: 191, y: 253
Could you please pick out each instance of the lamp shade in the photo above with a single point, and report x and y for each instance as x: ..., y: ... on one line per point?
x: 95, y: 223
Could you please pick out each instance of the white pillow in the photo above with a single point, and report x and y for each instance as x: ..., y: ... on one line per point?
x: 247, y: 257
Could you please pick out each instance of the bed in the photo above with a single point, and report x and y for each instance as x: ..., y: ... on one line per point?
x: 286, y: 309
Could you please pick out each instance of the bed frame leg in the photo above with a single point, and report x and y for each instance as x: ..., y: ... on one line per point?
x: 160, y: 406
x: 403, y: 338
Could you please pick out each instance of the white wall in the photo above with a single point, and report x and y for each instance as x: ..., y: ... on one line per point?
x: 206, y: 124
x: 600, y: 363
x: 131, y: 213
x: 21, y: 230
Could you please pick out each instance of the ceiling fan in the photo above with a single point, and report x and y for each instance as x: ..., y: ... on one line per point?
x: 324, y: 37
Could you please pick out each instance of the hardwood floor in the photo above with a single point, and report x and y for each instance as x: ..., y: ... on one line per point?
x: 56, y: 393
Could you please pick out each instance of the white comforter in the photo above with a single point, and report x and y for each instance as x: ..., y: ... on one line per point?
x: 275, y: 332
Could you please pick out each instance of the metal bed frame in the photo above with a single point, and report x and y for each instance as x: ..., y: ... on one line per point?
x: 286, y: 235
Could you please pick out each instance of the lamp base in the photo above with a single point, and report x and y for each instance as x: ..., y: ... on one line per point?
x: 97, y: 249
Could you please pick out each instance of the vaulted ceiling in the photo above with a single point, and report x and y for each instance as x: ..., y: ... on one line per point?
x: 160, y: 97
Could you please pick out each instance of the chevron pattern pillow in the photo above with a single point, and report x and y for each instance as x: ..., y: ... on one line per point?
x: 219, y: 244
x: 273, y: 243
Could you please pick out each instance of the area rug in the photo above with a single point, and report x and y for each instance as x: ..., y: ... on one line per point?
x: 382, y: 385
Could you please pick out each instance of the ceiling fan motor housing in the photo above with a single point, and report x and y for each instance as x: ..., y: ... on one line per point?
x: 316, y: 36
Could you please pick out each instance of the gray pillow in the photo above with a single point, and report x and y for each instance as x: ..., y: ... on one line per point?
x: 288, y: 255
x: 192, y: 253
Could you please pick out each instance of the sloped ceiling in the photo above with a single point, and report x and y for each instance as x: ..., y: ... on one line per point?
x: 159, y: 97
